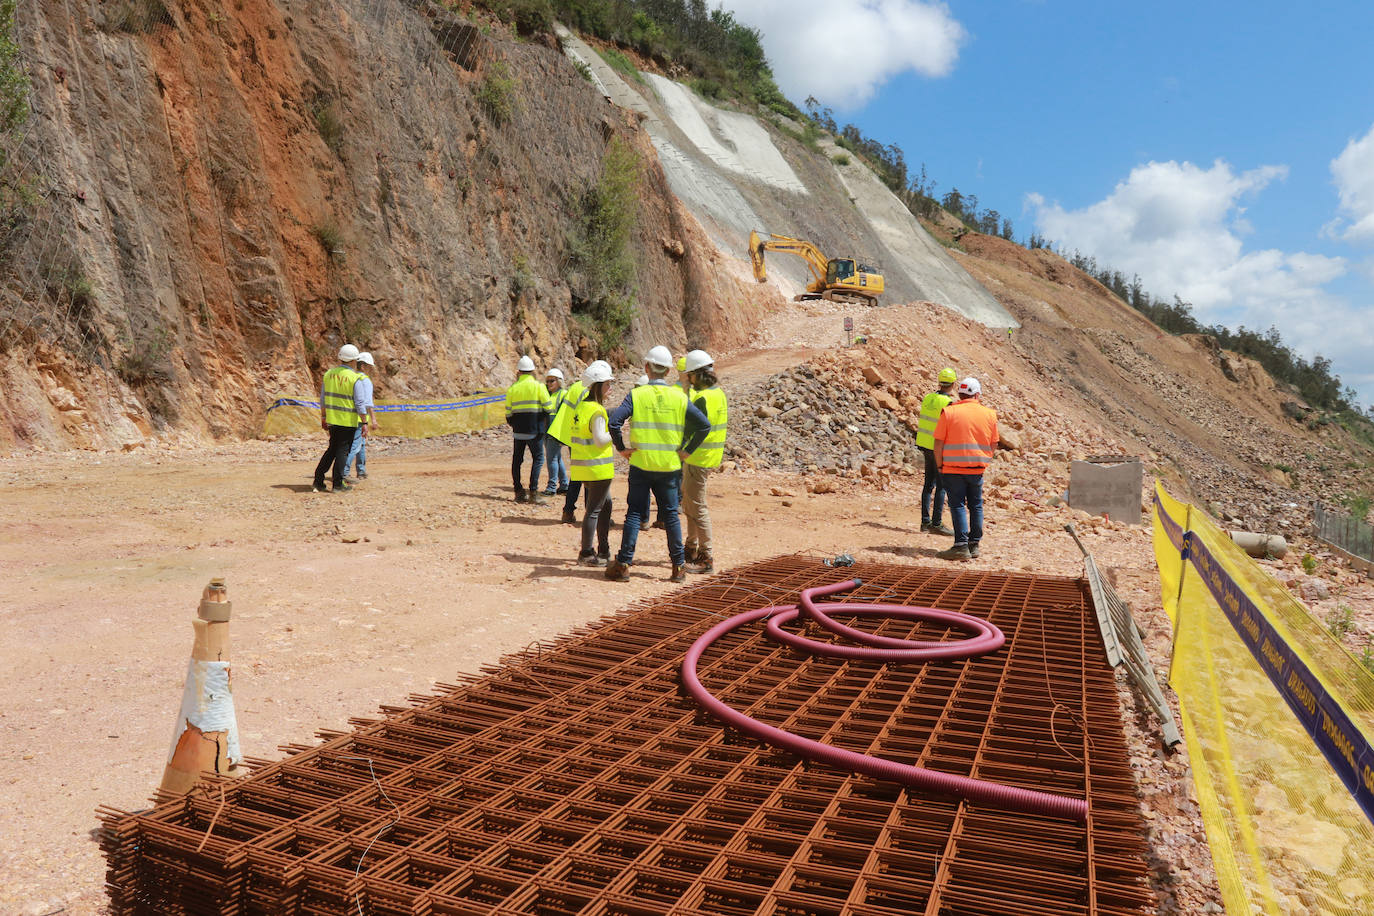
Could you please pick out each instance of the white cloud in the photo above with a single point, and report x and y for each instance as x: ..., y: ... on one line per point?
x: 1179, y: 227
x: 1353, y: 171
x: 841, y: 51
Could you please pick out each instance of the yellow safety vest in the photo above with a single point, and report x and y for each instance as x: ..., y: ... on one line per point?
x: 589, y: 461
x: 561, y: 426
x: 712, y: 448
x: 339, y: 409
x: 656, y: 427
x: 930, y: 415
x: 527, y: 397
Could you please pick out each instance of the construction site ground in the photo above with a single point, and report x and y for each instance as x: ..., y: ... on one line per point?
x: 429, y: 569
x: 344, y: 602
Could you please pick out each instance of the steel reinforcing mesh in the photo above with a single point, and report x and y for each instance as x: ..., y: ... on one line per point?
x: 578, y: 779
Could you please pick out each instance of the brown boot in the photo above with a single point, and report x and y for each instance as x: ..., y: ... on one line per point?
x: 617, y: 571
x: 569, y: 517
x: 679, y: 574
x: 702, y: 564
x: 689, y: 554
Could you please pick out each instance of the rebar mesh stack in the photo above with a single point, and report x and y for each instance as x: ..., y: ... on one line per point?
x: 577, y: 779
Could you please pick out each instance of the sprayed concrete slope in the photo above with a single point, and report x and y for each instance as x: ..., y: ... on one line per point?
x: 938, y: 276
x: 729, y: 171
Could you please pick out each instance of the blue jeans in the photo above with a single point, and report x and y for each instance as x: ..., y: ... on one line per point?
x: 357, y: 452
x: 665, y: 487
x: 965, y: 494
x: 558, y: 468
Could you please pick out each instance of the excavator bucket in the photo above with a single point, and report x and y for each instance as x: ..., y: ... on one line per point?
x: 756, y: 256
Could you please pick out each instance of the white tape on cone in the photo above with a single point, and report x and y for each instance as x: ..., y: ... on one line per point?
x: 207, y: 703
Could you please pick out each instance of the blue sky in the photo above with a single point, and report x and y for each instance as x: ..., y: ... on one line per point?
x: 1223, y: 151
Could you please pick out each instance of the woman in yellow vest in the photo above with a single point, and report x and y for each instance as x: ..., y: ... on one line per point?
x: 710, y: 400
x: 592, y: 462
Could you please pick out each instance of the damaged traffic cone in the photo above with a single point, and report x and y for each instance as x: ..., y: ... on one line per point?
x: 206, y: 738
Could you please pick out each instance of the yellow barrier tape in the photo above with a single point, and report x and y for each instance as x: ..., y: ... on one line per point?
x: 1277, y: 726
x: 408, y: 419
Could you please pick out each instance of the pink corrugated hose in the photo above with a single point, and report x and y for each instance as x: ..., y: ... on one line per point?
x: 983, y: 638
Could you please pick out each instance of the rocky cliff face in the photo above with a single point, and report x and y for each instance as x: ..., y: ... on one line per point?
x: 225, y: 194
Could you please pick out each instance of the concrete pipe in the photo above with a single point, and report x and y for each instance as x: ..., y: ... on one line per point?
x: 1261, y: 545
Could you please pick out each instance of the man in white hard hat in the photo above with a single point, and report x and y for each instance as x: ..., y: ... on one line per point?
x: 357, y: 454
x: 666, y: 428
x: 965, y: 443
x: 340, y: 416
x: 700, y: 370
x: 553, y: 449
x: 527, y: 410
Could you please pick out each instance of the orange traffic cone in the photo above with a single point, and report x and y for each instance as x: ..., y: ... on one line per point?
x: 206, y: 737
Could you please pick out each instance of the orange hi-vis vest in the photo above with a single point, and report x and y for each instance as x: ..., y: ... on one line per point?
x: 968, y: 432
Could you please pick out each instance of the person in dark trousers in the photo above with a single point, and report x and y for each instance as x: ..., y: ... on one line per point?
x: 343, y: 409
x: 665, y: 429
x: 933, y: 487
x: 965, y: 444
x: 592, y: 463
x: 527, y: 412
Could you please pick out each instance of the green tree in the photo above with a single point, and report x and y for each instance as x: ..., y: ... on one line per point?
x: 600, y: 246
x: 14, y: 79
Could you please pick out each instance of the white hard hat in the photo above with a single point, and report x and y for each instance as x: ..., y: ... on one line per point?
x: 660, y: 356
x: 643, y: 380
x: 599, y: 371
x: 348, y: 353
x: 698, y: 359
x: 366, y: 357
x: 525, y: 365
x: 970, y: 387
x: 554, y: 373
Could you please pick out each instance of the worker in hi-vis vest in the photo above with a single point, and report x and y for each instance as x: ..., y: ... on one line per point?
x: 665, y: 429
x: 932, y: 488
x: 710, y: 400
x: 528, y: 404
x: 553, y: 448
x: 558, y: 429
x: 343, y: 409
x: 965, y: 442
x: 592, y: 462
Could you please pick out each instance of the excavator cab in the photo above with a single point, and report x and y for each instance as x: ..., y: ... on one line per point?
x: 838, y: 270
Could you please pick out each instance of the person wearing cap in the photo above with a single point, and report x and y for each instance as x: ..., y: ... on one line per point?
x: 932, y: 488
x: 666, y: 428
x: 341, y: 395
x: 357, y: 454
x: 592, y: 462
x: 558, y: 429
x: 683, y: 378
x: 710, y: 400
x: 553, y: 449
x: 527, y: 410
x: 965, y: 442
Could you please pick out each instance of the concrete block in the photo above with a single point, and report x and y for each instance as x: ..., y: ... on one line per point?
x: 1107, y: 486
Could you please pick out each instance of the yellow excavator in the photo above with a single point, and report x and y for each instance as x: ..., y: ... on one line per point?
x: 833, y: 279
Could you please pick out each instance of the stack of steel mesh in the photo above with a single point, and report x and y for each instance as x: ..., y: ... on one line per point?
x: 577, y: 779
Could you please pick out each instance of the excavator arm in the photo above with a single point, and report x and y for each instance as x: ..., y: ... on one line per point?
x: 816, y: 261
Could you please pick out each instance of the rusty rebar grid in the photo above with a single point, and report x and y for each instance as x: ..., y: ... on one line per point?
x: 577, y: 779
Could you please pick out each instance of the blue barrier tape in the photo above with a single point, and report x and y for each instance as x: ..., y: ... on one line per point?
x: 1345, y: 747
x: 1172, y: 529
x: 399, y: 408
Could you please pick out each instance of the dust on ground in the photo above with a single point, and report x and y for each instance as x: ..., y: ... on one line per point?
x: 341, y: 602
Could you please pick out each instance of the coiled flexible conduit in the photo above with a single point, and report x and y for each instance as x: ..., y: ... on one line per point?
x: 984, y: 637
